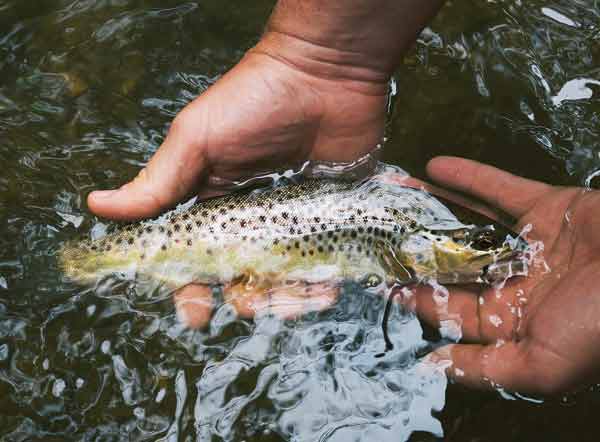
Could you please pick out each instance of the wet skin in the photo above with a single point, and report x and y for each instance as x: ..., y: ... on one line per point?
x: 553, y: 346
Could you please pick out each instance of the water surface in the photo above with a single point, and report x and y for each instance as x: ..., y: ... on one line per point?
x: 87, y: 90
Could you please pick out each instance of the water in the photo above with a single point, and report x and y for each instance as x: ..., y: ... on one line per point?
x: 87, y: 90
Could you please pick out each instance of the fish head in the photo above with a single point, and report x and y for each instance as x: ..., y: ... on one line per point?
x: 465, y: 255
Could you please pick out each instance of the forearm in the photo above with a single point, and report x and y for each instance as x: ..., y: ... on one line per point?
x: 358, y: 39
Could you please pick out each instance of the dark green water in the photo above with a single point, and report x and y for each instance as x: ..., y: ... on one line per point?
x: 87, y: 90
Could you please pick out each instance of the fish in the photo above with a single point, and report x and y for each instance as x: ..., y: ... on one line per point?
x: 372, y: 232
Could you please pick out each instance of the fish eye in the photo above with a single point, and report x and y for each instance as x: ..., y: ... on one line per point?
x: 483, y: 240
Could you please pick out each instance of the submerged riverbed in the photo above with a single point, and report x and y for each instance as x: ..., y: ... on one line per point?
x: 87, y: 90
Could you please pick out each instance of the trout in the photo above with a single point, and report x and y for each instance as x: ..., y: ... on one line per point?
x: 319, y: 230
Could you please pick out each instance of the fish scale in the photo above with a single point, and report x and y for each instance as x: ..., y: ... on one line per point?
x: 317, y: 230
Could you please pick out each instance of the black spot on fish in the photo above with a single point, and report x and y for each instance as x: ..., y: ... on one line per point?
x: 185, y: 216
x: 288, y: 247
x: 188, y: 227
x: 331, y: 248
x: 243, y: 223
x: 149, y: 229
x: 295, y: 220
x: 313, y: 229
x: 353, y: 234
x: 317, y: 219
x: 213, y: 218
x: 161, y: 229
x: 335, y: 239
x: 305, y: 238
x: 297, y: 244
x: 292, y: 230
x: 130, y: 240
x: 177, y: 227
x: 303, y: 253
x: 222, y: 210
x: 323, y: 227
x: 209, y: 252
x: 311, y: 252
x: 223, y: 226
x: 319, y: 237
x: 284, y: 215
x: 94, y: 248
x: 118, y: 241
x: 262, y: 218
x: 205, y: 213
x: 163, y: 247
x: 189, y: 242
x: 320, y: 249
x: 276, y: 241
x: 361, y: 230
x: 274, y: 219
x: 169, y: 234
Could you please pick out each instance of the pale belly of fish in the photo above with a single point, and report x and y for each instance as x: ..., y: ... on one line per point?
x: 318, y: 230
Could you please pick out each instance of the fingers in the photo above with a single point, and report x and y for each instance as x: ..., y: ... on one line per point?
x: 463, y: 314
x: 286, y: 302
x: 194, y: 305
x: 511, y: 193
x: 171, y: 175
x: 513, y: 366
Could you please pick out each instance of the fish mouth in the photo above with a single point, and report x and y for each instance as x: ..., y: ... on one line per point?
x: 507, y: 264
x: 505, y: 269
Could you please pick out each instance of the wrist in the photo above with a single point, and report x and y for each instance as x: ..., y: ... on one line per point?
x: 361, y: 40
x: 323, y: 61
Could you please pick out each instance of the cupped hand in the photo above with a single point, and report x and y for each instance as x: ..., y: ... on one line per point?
x: 265, y: 114
x: 540, y: 333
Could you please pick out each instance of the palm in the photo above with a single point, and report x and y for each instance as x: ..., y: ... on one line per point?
x: 536, y: 333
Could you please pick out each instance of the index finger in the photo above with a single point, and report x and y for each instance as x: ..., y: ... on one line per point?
x: 513, y: 194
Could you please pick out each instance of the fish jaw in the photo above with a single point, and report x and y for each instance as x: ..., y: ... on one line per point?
x: 441, y: 258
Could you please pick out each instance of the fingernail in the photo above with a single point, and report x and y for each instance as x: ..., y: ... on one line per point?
x: 103, y: 193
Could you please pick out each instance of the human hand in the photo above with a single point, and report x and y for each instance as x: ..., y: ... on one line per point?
x: 263, y: 115
x: 540, y: 333
x: 314, y: 87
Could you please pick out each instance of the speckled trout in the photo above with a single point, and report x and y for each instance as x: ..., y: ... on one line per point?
x: 370, y: 232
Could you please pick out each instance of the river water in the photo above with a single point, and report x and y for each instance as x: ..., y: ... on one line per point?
x: 87, y: 91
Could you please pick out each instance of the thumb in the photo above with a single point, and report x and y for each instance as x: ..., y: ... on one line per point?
x: 173, y: 173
